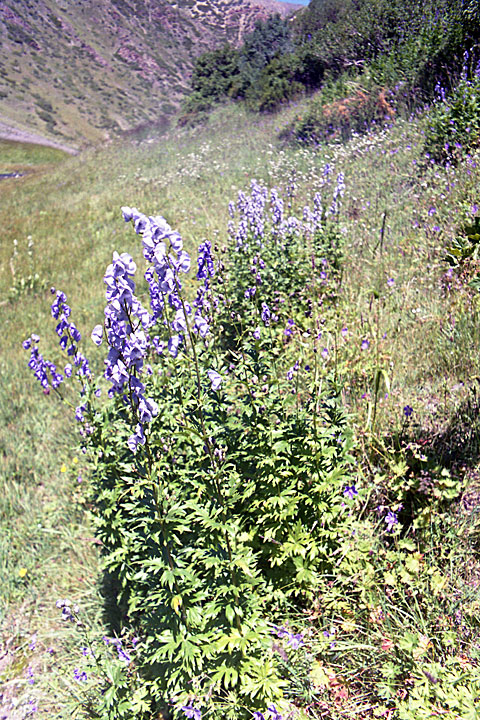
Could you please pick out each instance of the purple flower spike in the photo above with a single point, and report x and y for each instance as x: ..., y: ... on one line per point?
x: 206, y: 267
x: 407, y: 411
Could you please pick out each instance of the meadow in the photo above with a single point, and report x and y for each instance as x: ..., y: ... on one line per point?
x: 352, y: 597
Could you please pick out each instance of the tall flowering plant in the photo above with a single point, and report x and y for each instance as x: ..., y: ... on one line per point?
x: 218, y: 474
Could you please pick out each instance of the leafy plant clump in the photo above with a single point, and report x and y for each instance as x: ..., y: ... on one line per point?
x: 222, y: 460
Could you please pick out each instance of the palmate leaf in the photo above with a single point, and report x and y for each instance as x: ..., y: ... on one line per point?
x: 226, y: 676
x: 260, y: 678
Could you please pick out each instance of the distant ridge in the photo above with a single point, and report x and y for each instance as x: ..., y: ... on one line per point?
x: 79, y: 71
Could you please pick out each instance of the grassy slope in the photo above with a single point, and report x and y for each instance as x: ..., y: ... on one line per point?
x: 71, y: 211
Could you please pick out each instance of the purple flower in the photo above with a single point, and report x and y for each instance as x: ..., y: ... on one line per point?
x: 350, y: 491
x: 67, y: 612
x: 288, y: 332
x: 256, y: 333
x: 205, y: 261
x: 295, y: 641
x: 127, y: 213
x: 80, y: 676
x: 69, y: 338
x: 258, y: 715
x: 365, y: 344
x: 79, y: 417
x: 266, y: 314
x: 97, y: 334
x: 147, y: 410
x: 123, y: 655
x: 293, y: 370
x: 391, y: 519
x: 215, y: 379
x: 201, y: 325
x: 279, y: 631
x: 192, y: 712
x: 407, y: 411
x: 138, y: 438
x: 173, y: 345
x: 391, y: 282
x: 274, y: 714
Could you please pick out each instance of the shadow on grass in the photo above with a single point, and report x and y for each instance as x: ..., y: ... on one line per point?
x: 457, y: 444
x: 114, y: 614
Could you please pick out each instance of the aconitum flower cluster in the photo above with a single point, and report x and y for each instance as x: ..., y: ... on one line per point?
x: 337, y: 195
x: 46, y: 371
x: 255, y: 223
x: 68, y: 333
x: 203, y: 302
x: 125, y: 323
x: 252, y: 210
x: 163, y: 249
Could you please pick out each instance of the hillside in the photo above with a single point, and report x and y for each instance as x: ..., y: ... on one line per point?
x: 82, y: 71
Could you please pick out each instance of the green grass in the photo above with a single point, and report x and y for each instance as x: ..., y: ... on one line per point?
x: 18, y: 157
x: 424, y: 338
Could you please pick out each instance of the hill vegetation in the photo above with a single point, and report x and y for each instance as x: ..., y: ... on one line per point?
x: 84, y: 71
x: 377, y: 48
x: 268, y: 506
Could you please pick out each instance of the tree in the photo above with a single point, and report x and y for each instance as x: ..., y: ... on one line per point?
x: 270, y: 38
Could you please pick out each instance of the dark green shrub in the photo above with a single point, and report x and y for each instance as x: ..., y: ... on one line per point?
x: 276, y: 84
